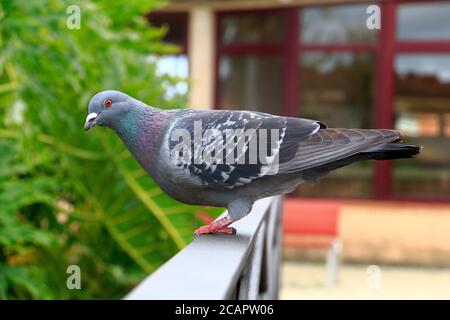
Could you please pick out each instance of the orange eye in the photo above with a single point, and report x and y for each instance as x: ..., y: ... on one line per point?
x: 107, y: 103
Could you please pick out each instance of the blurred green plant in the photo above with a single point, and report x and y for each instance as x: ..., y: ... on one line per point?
x: 67, y: 197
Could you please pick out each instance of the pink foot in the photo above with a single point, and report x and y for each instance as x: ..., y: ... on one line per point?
x: 220, y: 226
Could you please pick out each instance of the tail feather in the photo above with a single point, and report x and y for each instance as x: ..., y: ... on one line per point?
x: 390, y: 151
x: 387, y: 151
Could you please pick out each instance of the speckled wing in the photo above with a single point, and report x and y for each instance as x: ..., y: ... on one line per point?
x: 281, y: 139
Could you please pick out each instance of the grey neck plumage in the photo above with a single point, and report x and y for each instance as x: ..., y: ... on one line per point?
x: 140, y: 130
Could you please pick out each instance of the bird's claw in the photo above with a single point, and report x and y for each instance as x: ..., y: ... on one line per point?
x: 220, y: 226
x: 208, y: 230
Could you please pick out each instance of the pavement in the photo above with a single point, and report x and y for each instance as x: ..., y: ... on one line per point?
x: 306, y: 281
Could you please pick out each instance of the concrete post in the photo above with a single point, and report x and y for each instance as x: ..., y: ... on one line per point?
x: 201, y: 56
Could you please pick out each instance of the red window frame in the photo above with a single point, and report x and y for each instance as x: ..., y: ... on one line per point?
x: 384, y: 49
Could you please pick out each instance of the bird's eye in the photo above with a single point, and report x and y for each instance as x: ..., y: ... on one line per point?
x: 107, y: 103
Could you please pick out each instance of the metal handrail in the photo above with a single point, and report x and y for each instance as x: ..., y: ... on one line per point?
x: 244, y: 266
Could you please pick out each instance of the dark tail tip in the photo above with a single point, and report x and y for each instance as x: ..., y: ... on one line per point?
x: 390, y: 151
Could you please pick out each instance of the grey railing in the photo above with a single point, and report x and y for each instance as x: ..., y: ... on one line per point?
x: 244, y: 266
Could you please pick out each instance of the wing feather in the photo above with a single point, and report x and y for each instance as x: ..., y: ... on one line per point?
x: 328, y: 145
x: 228, y: 175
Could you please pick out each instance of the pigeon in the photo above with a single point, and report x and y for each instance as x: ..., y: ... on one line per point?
x: 230, y: 159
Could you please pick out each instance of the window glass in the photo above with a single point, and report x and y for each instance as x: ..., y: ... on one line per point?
x: 423, y: 21
x: 422, y: 112
x: 336, y: 88
x: 175, y: 66
x: 176, y: 25
x: 251, y: 28
x: 251, y: 83
x: 336, y: 24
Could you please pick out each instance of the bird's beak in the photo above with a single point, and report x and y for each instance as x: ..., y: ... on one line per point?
x: 90, y: 121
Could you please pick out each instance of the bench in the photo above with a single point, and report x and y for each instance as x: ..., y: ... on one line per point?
x: 313, y: 223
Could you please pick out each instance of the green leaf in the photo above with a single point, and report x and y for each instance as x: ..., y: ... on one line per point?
x: 115, y: 222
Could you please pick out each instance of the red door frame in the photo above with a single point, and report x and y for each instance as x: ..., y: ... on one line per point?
x: 385, y: 48
x: 384, y: 88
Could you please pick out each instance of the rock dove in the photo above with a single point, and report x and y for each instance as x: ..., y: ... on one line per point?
x: 208, y: 157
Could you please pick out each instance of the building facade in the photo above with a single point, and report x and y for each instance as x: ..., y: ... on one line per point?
x: 382, y: 64
x: 378, y: 64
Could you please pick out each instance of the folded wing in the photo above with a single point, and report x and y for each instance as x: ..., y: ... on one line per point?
x: 215, y: 126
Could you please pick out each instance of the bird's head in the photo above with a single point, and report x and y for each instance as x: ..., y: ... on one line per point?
x: 106, y: 108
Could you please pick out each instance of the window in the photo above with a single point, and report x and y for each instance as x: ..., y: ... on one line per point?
x: 322, y: 62
x: 174, y: 65
x: 175, y: 24
x: 422, y: 112
x: 250, y: 68
x: 251, y: 83
x: 423, y: 21
x: 252, y: 28
x: 421, y: 98
x: 336, y: 24
x: 337, y: 89
x: 336, y: 86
